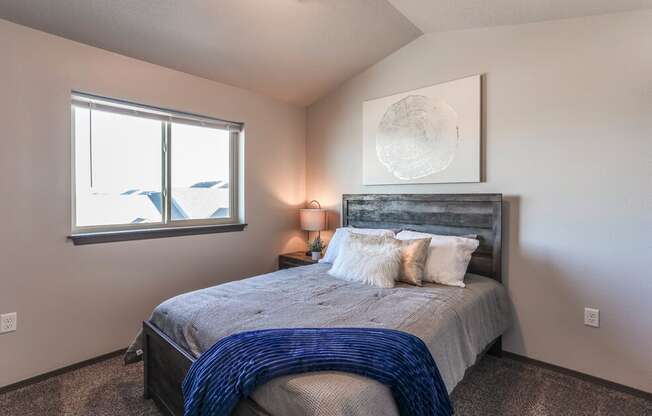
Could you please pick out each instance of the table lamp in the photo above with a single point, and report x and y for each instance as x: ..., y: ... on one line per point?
x: 313, y: 218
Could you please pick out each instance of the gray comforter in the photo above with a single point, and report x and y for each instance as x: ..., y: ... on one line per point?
x: 455, y: 323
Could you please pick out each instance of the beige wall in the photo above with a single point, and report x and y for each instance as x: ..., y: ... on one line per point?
x: 568, y: 128
x: 75, y: 303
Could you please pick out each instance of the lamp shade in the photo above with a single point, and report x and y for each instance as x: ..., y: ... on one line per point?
x: 313, y: 219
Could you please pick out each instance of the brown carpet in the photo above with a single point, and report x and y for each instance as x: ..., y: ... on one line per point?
x: 496, y: 386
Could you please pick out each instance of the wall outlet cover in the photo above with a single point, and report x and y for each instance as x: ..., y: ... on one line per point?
x: 8, y: 322
x: 592, y: 317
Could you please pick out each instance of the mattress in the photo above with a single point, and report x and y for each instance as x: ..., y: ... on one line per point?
x: 456, y: 324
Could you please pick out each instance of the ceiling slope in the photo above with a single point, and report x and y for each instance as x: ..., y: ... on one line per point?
x: 445, y: 15
x: 293, y: 50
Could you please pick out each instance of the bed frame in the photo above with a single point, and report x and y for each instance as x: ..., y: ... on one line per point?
x: 166, y: 363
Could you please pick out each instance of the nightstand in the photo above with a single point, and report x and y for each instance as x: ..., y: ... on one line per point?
x: 296, y: 259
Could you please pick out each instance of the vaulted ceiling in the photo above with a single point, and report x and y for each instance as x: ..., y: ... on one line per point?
x: 445, y: 15
x: 293, y: 50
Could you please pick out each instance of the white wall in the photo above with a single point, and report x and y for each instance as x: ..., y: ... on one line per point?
x: 75, y: 303
x: 568, y: 141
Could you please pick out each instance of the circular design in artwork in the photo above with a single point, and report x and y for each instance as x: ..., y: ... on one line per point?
x: 417, y: 136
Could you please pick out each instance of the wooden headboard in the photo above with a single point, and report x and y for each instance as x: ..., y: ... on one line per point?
x: 444, y: 214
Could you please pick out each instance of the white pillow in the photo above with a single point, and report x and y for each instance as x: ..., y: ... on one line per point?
x: 334, y: 245
x: 448, y: 258
x: 370, y: 259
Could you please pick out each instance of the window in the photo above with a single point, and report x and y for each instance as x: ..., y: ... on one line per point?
x: 141, y: 169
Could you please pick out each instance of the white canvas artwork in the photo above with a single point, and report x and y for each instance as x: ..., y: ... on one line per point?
x: 429, y: 135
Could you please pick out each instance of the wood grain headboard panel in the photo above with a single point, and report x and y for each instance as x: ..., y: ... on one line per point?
x: 444, y: 214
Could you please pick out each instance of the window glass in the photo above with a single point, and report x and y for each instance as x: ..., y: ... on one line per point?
x: 118, y: 168
x: 200, y: 167
x: 147, y: 167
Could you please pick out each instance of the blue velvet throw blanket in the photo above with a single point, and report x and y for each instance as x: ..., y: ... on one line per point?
x: 232, y: 368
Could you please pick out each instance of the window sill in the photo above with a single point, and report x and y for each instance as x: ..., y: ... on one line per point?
x: 143, y: 234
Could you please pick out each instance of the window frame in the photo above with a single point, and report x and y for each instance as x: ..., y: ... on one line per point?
x: 167, y: 226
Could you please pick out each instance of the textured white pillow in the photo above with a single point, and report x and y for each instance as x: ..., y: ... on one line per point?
x: 335, y: 244
x: 448, y: 258
x: 370, y: 259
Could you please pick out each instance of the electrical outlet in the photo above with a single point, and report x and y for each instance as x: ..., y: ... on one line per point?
x: 8, y: 322
x: 592, y: 317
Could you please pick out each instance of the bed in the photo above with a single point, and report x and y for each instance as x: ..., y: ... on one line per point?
x: 457, y: 324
